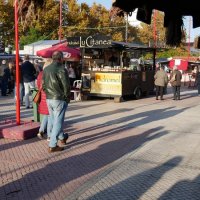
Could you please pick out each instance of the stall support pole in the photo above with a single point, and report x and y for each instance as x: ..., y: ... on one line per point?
x: 17, y: 64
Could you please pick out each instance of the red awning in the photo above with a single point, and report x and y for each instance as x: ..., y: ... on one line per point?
x: 70, y: 54
x: 181, y: 64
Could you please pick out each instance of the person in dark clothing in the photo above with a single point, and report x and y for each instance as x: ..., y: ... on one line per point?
x: 11, y: 81
x: 5, y: 78
x: 56, y: 85
x: 21, y: 83
x: 125, y: 60
x: 113, y: 60
x: 175, y: 80
x: 29, y: 76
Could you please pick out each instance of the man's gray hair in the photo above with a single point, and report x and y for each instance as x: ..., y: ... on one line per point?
x: 57, y: 56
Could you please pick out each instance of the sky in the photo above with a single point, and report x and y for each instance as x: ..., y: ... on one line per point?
x: 108, y: 3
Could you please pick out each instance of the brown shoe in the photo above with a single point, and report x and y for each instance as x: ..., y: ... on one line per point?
x: 64, y: 141
x: 54, y: 149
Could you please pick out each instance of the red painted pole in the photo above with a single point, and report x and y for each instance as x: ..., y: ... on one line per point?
x: 17, y: 63
x: 154, y: 29
x: 60, y: 27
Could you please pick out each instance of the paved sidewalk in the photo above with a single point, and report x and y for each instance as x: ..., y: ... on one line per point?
x: 139, y: 149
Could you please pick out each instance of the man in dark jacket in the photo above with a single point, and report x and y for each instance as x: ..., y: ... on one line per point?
x: 29, y: 72
x: 56, y: 85
x: 5, y: 77
x: 175, y: 80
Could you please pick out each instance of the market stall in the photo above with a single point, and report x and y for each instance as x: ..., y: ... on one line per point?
x: 114, y: 69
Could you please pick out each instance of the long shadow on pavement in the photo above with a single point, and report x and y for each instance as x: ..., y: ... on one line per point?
x: 183, y: 190
x: 99, y: 115
x: 144, y: 118
x: 135, y: 186
x: 35, y: 184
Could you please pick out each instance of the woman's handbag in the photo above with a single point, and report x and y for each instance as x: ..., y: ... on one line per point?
x: 37, y: 97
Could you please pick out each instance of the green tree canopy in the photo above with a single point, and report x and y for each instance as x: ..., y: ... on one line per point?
x: 7, y: 30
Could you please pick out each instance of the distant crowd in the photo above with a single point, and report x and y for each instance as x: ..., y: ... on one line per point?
x: 162, y: 80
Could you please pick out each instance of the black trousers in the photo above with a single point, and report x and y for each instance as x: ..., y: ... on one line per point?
x: 176, y: 91
x: 159, y: 91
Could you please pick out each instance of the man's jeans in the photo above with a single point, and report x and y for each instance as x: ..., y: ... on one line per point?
x: 57, y: 110
x: 28, y: 86
x: 46, y: 125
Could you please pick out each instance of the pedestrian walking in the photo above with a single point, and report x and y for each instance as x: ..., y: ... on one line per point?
x: 29, y: 76
x: 5, y: 77
x: 46, y: 125
x: 161, y: 80
x: 21, y: 83
x: 175, y: 80
x: 57, y: 88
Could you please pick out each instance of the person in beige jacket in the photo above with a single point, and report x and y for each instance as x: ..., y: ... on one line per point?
x: 161, y: 80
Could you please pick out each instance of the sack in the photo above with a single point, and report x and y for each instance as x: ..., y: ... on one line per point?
x: 37, y: 97
x: 173, y: 78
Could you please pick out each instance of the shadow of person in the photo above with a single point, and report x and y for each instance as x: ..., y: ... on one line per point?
x: 184, y: 190
x: 136, y: 185
x: 67, y: 172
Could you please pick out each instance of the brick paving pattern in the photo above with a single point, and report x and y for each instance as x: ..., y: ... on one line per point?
x: 142, y: 149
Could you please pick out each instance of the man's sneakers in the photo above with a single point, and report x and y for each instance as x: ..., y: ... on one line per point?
x: 40, y: 135
x: 55, y: 149
x: 64, y: 141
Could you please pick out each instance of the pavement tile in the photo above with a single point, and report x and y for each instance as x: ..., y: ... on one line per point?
x: 134, y: 150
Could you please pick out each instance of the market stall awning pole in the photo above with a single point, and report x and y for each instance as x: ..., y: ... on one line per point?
x: 17, y: 64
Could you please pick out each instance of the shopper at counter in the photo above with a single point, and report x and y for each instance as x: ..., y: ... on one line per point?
x: 125, y: 60
x: 113, y: 60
